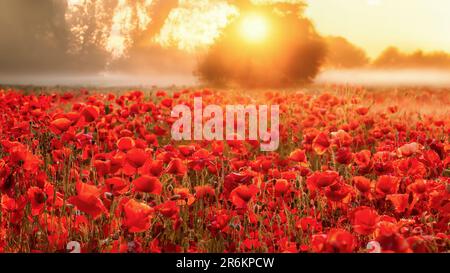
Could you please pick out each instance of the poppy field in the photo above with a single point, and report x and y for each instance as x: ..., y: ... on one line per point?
x: 356, y: 171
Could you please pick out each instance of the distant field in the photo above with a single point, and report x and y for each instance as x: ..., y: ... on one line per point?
x: 392, y: 78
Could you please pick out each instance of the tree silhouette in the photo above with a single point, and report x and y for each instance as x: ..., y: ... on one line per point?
x: 33, y: 34
x: 292, y: 56
x: 342, y: 54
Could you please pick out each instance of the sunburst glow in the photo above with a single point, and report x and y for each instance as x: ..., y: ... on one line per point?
x: 195, y: 24
x: 254, y: 28
x: 119, y: 38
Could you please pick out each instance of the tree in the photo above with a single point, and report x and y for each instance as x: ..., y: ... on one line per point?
x: 292, y: 55
x: 390, y: 57
x: 394, y: 58
x: 342, y: 54
x: 50, y: 35
x: 33, y: 34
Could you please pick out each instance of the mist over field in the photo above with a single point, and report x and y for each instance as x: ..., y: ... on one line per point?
x: 386, y: 77
x: 357, y: 77
x: 107, y: 79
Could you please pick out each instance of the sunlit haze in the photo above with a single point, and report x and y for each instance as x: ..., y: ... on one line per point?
x: 254, y: 28
x: 371, y: 24
x: 376, y: 24
x: 199, y: 39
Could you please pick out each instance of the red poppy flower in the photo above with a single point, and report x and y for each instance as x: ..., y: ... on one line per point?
x: 155, y: 167
x: 400, y: 201
x: 411, y: 167
x: 432, y: 160
x: 321, y: 143
x: 344, y: 156
x: 298, y: 156
x: 341, y: 138
x: 387, y: 184
x: 309, y: 224
x: 322, y: 179
x: 167, y: 102
x: 233, y: 179
x: 419, y: 245
x: 362, y: 110
x: 159, y: 131
x: 419, y: 187
x: 116, y: 185
x: 53, y: 198
x: 204, y: 192
x: 362, y: 184
x: 363, y: 161
x: 102, y: 167
x: 184, y: 196
x: 125, y: 143
x: 137, y: 216
x: 338, y: 192
x: 364, y: 220
x: 177, y: 167
x: 147, y: 184
x: 281, y: 187
x: 136, y: 157
x: 37, y: 197
x: 318, y: 243
x: 241, y: 195
x: 10, y: 204
x: 73, y: 116
x: 168, y: 209
x: 340, y: 241
x: 383, y: 164
x: 88, y: 200
x: 117, y: 162
x: 440, y: 200
x: 390, y: 240
x: 60, y: 125
x: 90, y: 113
x: 19, y: 154
x: 186, y: 150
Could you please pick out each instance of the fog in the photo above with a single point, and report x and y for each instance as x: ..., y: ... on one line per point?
x: 99, y: 80
x: 386, y: 77
x: 360, y: 77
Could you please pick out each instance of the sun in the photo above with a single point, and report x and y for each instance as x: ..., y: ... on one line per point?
x: 254, y: 28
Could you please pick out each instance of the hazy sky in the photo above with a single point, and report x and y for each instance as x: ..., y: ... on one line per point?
x: 35, y: 36
x: 376, y: 24
x: 370, y: 24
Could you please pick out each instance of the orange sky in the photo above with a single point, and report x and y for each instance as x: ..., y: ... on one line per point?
x: 376, y: 24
